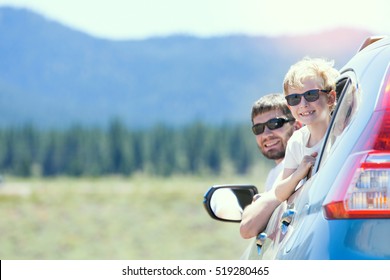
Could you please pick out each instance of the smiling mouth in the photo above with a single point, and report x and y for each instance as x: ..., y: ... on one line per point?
x: 308, y: 113
x: 271, y: 144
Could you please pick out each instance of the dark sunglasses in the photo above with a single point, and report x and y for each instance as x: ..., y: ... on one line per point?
x: 310, y: 96
x: 272, y: 124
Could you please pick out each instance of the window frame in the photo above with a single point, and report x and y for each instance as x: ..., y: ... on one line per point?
x: 344, y: 83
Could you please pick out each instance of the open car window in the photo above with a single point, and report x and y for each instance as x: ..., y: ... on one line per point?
x: 348, y: 97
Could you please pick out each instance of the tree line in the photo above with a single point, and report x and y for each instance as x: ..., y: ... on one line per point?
x: 161, y: 150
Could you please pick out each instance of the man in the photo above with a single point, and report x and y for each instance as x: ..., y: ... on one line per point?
x: 273, y: 125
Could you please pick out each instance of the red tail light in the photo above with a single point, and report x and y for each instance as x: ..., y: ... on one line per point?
x: 363, y: 185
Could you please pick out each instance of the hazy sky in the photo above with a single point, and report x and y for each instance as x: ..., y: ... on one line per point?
x: 127, y: 19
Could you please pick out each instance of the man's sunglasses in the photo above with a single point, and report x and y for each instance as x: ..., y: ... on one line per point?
x: 310, y: 96
x: 272, y: 124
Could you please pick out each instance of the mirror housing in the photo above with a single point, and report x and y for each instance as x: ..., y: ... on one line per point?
x: 226, y: 202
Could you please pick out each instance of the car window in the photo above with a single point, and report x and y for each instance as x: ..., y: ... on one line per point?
x: 347, y: 105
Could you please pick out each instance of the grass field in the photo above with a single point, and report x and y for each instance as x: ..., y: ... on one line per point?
x: 114, y: 218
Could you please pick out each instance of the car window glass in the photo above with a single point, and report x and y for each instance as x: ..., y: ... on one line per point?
x: 347, y: 106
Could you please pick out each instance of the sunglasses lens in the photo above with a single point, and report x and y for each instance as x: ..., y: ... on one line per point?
x: 293, y: 99
x: 258, y: 128
x: 275, y: 123
x: 312, y: 95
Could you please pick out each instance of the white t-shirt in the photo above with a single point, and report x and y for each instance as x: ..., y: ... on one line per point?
x: 274, y: 175
x: 297, y: 148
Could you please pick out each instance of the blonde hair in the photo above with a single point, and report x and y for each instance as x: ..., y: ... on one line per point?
x: 319, y: 70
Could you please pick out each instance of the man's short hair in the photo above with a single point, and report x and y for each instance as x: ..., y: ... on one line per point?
x: 270, y: 102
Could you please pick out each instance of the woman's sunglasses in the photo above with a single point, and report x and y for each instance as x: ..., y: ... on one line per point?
x: 310, y: 96
x: 272, y: 124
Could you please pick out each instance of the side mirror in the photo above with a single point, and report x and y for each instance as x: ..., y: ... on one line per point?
x: 226, y: 202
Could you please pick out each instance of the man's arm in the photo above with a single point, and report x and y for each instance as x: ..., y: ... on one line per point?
x: 256, y: 215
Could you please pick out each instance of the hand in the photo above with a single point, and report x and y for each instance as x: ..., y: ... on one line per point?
x: 307, y: 163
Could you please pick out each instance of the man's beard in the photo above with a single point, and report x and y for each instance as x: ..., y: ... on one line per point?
x: 275, y: 155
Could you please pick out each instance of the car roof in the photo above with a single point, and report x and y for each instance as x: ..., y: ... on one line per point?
x: 374, y: 42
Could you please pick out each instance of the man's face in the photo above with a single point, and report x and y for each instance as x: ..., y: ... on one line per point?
x: 272, y: 143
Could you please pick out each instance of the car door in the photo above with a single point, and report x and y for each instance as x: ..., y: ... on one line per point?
x: 277, y: 230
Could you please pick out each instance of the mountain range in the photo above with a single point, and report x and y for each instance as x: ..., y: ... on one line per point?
x: 54, y: 76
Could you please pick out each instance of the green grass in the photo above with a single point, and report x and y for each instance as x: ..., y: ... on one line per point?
x: 114, y: 218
